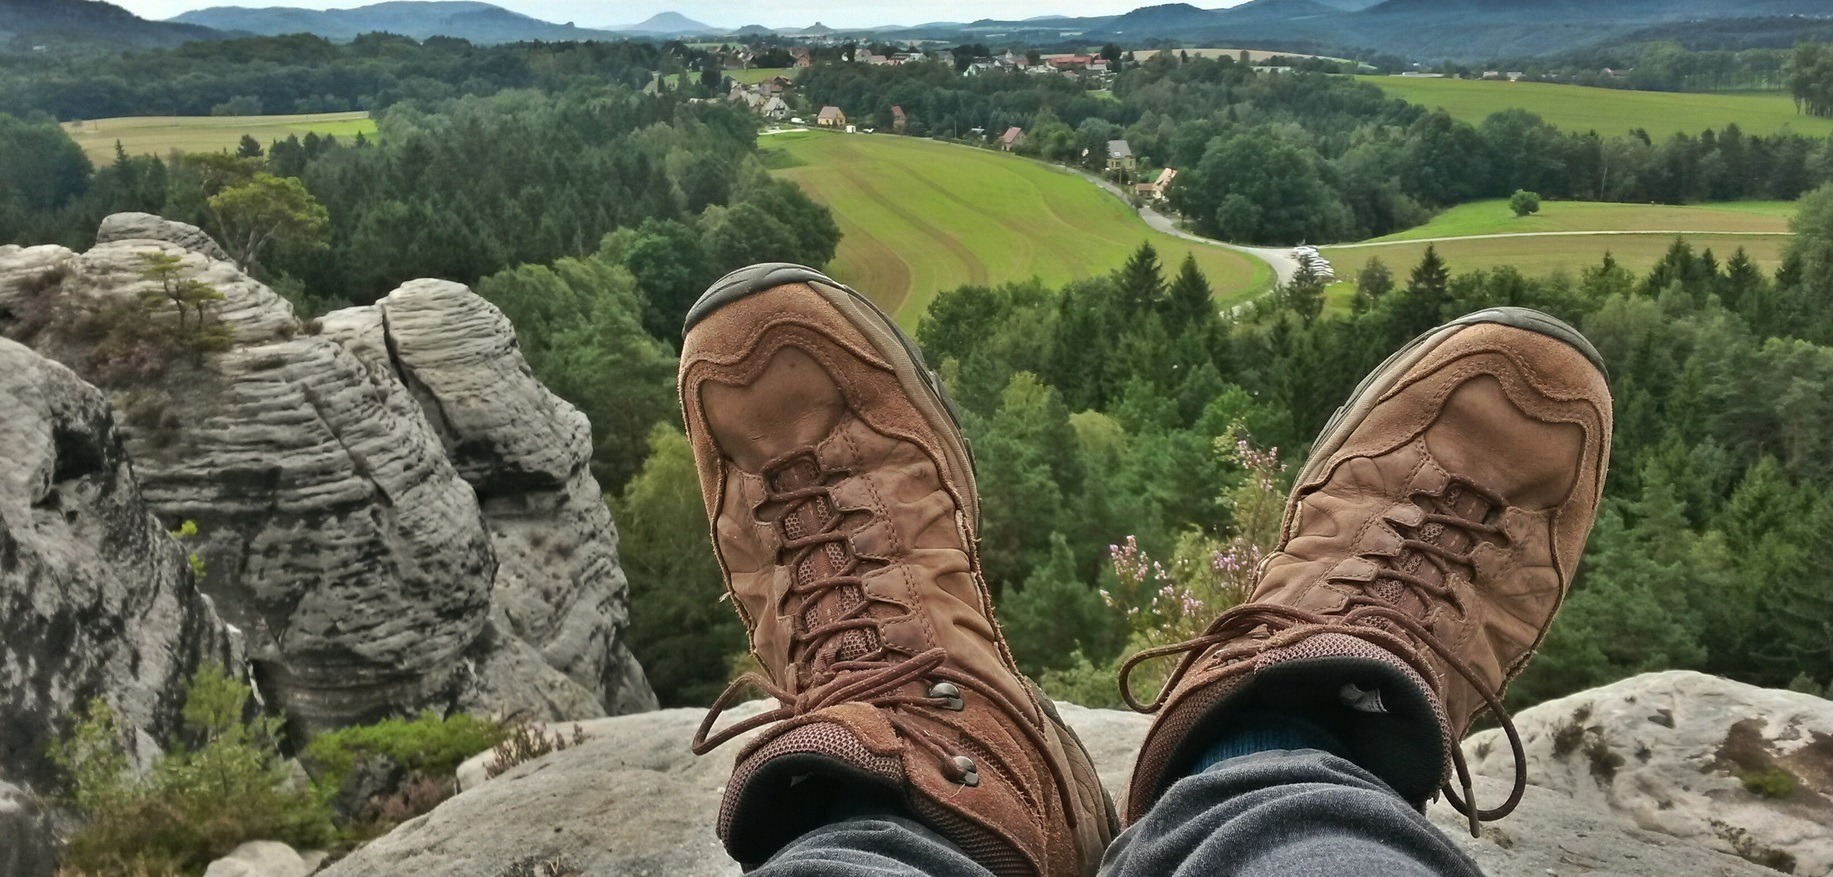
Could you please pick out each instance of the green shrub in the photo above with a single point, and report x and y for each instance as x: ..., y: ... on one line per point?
x: 221, y: 785
x: 1771, y: 783
x: 428, y: 745
x: 1085, y: 683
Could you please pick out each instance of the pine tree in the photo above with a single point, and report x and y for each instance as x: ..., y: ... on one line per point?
x: 1305, y: 293
x: 1188, y: 303
x: 1141, y: 279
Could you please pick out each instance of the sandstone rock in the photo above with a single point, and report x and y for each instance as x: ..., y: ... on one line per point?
x: 147, y: 227
x: 96, y: 599
x: 1667, y: 752
x: 260, y: 858
x: 634, y: 802
x: 526, y: 453
x: 27, y: 846
x: 337, y: 530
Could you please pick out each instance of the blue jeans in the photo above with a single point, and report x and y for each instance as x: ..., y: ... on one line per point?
x: 1291, y: 813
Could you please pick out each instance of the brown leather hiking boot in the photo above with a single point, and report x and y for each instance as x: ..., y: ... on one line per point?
x: 843, y: 508
x: 1427, y: 546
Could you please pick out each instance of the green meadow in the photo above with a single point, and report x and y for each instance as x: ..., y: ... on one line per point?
x: 1608, y: 111
x: 1639, y: 234
x: 1494, y: 217
x: 158, y: 135
x: 920, y: 216
x: 755, y: 75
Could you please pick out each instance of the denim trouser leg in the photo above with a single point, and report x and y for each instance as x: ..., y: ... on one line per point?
x: 1299, y: 813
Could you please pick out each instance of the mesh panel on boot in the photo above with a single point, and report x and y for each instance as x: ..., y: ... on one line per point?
x: 806, y: 518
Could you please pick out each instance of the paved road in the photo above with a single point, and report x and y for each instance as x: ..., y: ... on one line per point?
x: 1278, y: 258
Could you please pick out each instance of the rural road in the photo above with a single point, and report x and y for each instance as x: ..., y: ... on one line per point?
x: 1279, y: 258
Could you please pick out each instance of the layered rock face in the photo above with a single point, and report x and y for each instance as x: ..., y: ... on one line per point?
x: 559, y: 592
x: 1742, y: 770
x: 97, y: 600
x: 382, y: 540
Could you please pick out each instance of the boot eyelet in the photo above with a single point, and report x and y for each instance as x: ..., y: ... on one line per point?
x: 949, y: 692
x: 970, y: 775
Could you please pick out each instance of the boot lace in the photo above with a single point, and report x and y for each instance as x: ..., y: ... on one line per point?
x: 878, y: 676
x: 1249, y: 629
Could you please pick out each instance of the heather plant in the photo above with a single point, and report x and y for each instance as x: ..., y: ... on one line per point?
x: 1171, y: 601
x: 526, y: 741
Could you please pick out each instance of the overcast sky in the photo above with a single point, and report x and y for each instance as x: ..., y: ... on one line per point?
x: 729, y: 13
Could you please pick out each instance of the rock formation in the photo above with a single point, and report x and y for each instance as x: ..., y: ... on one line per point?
x: 1742, y: 770
x: 390, y: 506
x: 526, y: 455
x: 28, y: 844
x: 633, y: 800
x: 96, y: 598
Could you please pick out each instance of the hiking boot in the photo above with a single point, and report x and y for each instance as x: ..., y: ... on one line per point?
x: 1426, y: 547
x: 842, y: 501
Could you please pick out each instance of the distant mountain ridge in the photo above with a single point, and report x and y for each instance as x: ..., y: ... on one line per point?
x: 668, y: 24
x: 68, y: 24
x: 1424, y: 30
x: 420, y: 19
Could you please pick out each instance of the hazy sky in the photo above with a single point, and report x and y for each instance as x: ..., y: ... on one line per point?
x: 729, y: 13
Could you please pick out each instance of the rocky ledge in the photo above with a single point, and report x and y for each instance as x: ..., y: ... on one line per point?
x: 633, y: 801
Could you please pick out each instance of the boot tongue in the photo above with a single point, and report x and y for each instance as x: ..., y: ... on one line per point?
x: 804, y: 518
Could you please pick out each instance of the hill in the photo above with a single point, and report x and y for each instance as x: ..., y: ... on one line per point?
x: 72, y: 25
x: 919, y: 217
x: 668, y: 24
x: 1154, y: 20
x: 1427, y: 30
x: 477, y: 22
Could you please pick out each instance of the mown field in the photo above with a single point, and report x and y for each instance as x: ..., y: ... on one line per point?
x: 920, y: 216
x: 157, y: 135
x: 1544, y: 255
x: 1639, y: 235
x: 756, y: 75
x: 1607, y: 111
x: 1494, y: 217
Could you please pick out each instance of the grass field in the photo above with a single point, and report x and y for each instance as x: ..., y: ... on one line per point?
x: 1494, y: 217
x: 1254, y: 56
x: 1544, y: 255
x: 157, y: 135
x: 756, y: 75
x: 1608, y: 111
x: 1760, y: 227
x: 920, y: 216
